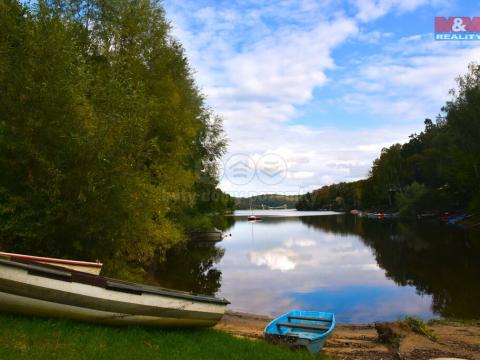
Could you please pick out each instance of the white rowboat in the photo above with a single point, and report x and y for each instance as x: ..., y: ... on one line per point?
x: 31, y: 288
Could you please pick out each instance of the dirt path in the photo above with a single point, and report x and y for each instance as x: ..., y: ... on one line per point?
x: 361, y: 341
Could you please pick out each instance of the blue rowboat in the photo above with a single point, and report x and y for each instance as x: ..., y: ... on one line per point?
x: 299, y: 328
x: 456, y: 218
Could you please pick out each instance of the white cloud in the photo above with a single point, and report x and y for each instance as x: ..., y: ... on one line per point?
x: 300, y: 243
x: 410, y: 80
x: 288, y: 66
x: 369, y: 10
x: 319, y: 157
x: 301, y: 174
x: 264, y: 81
x: 259, y: 63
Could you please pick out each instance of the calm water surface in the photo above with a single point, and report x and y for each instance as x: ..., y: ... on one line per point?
x: 362, y: 270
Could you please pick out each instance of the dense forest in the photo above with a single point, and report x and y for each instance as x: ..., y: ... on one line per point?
x: 436, y: 170
x: 107, y: 149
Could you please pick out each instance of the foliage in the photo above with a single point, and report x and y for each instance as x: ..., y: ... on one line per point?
x: 106, y: 145
x: 190, y: 267
x: 387, y: 335
x: 418, y: 326
x: 412, y: 200
x: 211, y: 201
x: 463, y: 125
x: 436, y: 170
x: 340, y: 197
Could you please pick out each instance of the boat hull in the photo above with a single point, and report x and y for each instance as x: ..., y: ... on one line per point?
x: 297, y: 343
x: 297, y: 328
x: 209, y: 236
x: 23, y: 291
x: 34, y: 307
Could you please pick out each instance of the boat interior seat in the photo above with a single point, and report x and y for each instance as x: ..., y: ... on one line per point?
x: 304, y: 326
x: 308, y: 318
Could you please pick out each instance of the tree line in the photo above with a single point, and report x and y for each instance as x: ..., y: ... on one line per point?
x: 265, y: 201
x: 436, y: 170
x: 107, y: 148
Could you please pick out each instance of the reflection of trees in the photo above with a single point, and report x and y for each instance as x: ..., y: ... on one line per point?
x: 224, y: 223
x: 186, y: 267
x: 437, y: 260
x: 271, y: 220
x: 336, y: 224
x: 189, y: 267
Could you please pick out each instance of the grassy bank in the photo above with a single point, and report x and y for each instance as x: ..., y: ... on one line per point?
x: 35, y: 338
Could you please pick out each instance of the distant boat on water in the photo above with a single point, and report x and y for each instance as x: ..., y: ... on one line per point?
x: 382, y: 215
x: 452, y: 218
x: 253, y: 218
x: 391, y: 215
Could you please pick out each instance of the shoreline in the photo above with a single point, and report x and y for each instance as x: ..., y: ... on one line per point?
x: 361, y: 341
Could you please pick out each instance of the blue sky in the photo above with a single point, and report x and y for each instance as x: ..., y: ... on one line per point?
x: 318, y: 86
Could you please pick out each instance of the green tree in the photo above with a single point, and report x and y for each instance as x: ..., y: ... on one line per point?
x: 436, y: 170
x: 105, y: 140
x: 463, y: 124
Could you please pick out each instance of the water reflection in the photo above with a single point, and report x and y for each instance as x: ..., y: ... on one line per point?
x: 190, y: 267
x: 440, y: 261
x: 362, y: 269
x: 276, y: 259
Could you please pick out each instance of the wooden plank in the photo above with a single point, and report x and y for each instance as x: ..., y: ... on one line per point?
x: 51, y: 260
x: 309, y: 318
x: 303, y: 326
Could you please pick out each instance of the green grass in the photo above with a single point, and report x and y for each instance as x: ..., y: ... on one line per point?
x: 36, y: 338
x: 418, y: 326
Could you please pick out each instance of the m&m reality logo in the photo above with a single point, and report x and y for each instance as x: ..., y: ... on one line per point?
x: 457, y: 28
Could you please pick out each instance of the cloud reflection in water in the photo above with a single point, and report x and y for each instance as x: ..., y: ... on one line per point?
x: 282, y: 264
x: 276, y: 259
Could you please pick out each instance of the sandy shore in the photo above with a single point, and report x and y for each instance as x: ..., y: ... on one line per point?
x: 453, y: 339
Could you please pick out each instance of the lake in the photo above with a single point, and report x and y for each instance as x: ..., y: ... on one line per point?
x: 361, y: 269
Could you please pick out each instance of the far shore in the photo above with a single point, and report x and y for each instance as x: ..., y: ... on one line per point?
x: 456, y: 339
